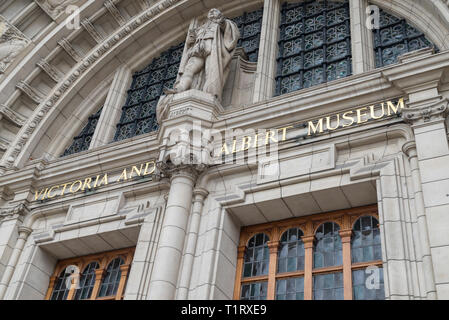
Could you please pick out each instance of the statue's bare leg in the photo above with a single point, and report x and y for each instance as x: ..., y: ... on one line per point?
x: 194, y: 65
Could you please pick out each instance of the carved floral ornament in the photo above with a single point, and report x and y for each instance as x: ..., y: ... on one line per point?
x: 82, y: 67
x: 12, y: 42
x: 434, y: 110
x: 55, y: 7
x: 19, y: 210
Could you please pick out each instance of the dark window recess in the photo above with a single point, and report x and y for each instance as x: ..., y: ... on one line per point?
x: 250, y: 25
x: 82, y: 141
x: 396, y: 37
x: 314, y: 45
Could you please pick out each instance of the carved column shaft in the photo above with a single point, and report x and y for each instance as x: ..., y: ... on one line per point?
x: 173, y: 233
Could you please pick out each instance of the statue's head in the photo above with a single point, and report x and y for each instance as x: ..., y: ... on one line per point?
x: 215, y: 15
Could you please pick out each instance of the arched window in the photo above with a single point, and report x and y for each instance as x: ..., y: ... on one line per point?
x: 62, y: 286
x: 87, y: 282
x: 100, y: 276
x: 394, y: 38
x: 255, y: 264
x: 111, y: 280
x: 139, y: 112
x: 310, y: 258
x: 368, y: 283
x: 82, y: 141
x: 250, y: 25
x: 291, y: 258
x: 291, y: 251
x: 365, y: 241
x: 314, y: 45
x: 327, y: 251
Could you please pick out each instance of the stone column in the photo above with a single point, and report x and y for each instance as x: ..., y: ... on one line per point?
x: 186, y: 272
x: 265, y: 82
x: 9, y: 270
x: 173, y: 233
x: 112, y: 109
x: 427, y: 114
x: 361, y: 38
x: 424, y: 257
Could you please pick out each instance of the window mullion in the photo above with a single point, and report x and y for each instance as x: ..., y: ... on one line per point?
x: 308, y: 265
x: 347, y: 271
x: 274, y: 248
x: 98, y: 277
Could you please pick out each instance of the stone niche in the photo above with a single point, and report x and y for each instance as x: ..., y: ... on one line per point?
x: 239, y: 87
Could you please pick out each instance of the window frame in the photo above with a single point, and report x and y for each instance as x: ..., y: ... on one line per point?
x: 103, y: 260
x: 309, y: 225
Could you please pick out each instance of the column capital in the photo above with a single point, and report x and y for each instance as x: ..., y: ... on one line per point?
x: 409, y: 149
x: 200, y: 193
x: 168, y: 169
x: 427, y: 111
x: 345, y: 235
x: 241, y: 252
x: 308, y: 241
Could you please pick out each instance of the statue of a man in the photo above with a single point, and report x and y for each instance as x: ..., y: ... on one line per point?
x: 206, y: 61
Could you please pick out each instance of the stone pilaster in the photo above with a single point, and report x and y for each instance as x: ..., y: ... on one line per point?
x: 361, y: 38
x: 426, y: 114
x: 112, y: 109
x: 265, y: 82
x: 173, y: 233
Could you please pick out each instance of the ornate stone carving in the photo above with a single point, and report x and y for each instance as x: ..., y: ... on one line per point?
x: 14, y: 212
x: 114, y: 11
x: 12, y: 116
x: 55, y: 7
x: 65, y: 44
x: 31, y: 92
x: 206, y: 58
x: 434, y: 109
x: 50, y: 70
x: 88, y: 62
x: 90, y: 28
x: 12, y: 42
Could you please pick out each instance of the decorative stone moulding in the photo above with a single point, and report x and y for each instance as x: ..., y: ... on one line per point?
x: 84, y: 64
x: 432, y: 111
x: 12, y: 43
x: 14, y: 212
x: 55, y: 8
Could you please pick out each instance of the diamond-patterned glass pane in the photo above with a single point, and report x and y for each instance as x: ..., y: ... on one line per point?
x: 315, y: 44
x: 396, y: 37
x: 139, y: 112
x: 250, y: 25
x: 82, y: 141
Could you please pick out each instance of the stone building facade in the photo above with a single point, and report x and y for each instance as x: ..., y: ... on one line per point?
x: 321, y: 173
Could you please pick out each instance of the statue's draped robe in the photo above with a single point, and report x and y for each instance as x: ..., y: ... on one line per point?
x: 212, y: 77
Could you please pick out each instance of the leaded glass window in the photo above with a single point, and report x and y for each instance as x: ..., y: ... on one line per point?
x: 328, y: 286
x: 305, y: 260
x: 87, y: 282
x: 111, y: 280
x: 368, y: 284
x: 61, y: 288
x: 327, y: 251
x: 254, y: 291
x: 314, y: 45
x: 250, y: 25
x: 394, y: 38
x: 290, y: 289
x: 291, y: 251
x: 365, y: 241
x: 256, y: 256
x: 82, y: 141
x: 139, y: 112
